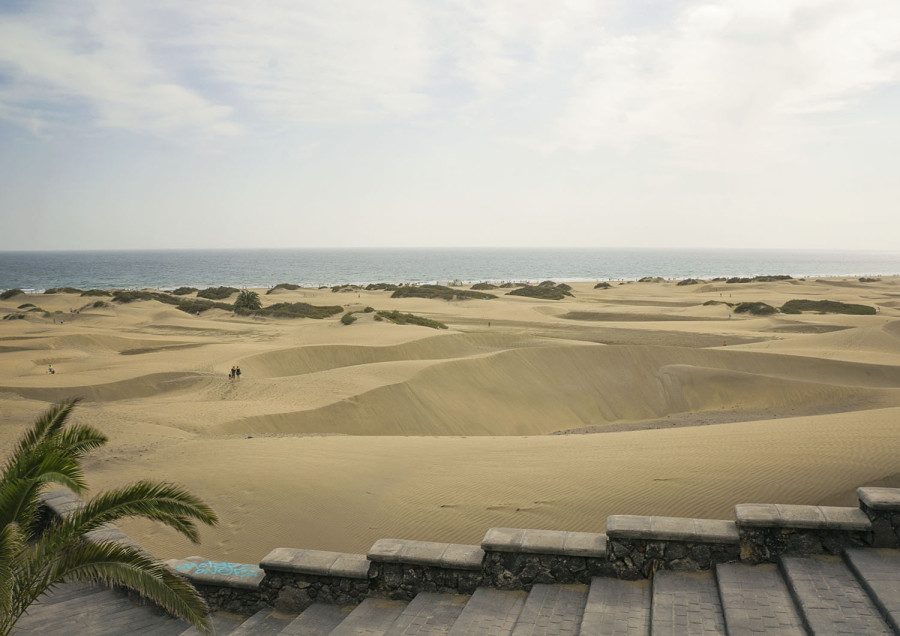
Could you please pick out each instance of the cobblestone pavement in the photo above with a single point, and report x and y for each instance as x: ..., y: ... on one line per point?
x: 879, y: 571
x: 830, y: 598
x: 617, y: 608
x: 490, y: 612
x: 552, y: 610
x: 686, y: 603
x: 756, y: 600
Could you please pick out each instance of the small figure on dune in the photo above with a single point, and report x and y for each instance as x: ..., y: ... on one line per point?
x: 237, y: 372
x: 231, y: 374
x: 50, y: 369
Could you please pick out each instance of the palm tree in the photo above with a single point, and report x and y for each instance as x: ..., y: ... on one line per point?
x: 247, y: 300
x: 34, y: 560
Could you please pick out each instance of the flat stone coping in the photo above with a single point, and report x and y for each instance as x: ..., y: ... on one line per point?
x: 796, y: 516
x: 317, y: 562
x: 880, y: 498
x: 205, y: 572
x: 574, y: 544
x: 672, y: 529
x: 451, y: 556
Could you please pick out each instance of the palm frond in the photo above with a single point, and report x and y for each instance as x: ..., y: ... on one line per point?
x: 118, y: 564
x: 46, y: 425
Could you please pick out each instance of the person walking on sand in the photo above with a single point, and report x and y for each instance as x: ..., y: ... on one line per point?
x: 231, y: 374
x: 237, y: 372
x: 50, y: 369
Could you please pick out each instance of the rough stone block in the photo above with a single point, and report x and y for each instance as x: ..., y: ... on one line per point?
x: 879, y: 498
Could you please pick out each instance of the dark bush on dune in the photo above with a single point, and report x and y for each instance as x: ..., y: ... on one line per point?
x: 348, y: 318
x: 184, y: 291
x: 194, y: 305
x: 298, y: 310
x: 9, y: 293
x: 557, y: 292
x: 826, y: 307
x: 477, y: 286
x: 63, y: 290
x: 759, y: 279
x: 738, y: 279
x: 99, y: 304
x: 437, y: 291
x: 288, y: 286
x: 217, y: 293
x: 757, y: 309
x: 718, y: 302
x: 602, y: 285
x: 409, y: 319
x: 511, y: 285
x: 866, y: 279
x: 651, y: 279
x: 688, y: 281
x: 381, y: 287
x: 96, y: 292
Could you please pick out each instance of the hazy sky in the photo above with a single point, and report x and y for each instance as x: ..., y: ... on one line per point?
x: 342, y: 123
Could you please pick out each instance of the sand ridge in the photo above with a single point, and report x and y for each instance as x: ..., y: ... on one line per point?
x: 338, y: 435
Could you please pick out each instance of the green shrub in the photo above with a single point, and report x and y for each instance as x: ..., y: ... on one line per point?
x: 771, y: 279
x: 547, y: 283
x: 866, y: 279
x: 651, y: 279
x: 298, y: 310
x: 14, y: 317
x: 288, y: 286
x: 96, y: 292
x: 826, y: 307
x: 345, y: 288
x: 437, y: 291
x: 100, y: 304
x: 194, y: 305
x: 25, y: 306
x: 381, y: 286
x: 217, y: 293
x: 511, y: 285
x: 63, y: 290
x: 688, y: 281
x: 247, y: 300
x: 483, y: 286
x: 9, y: 293
x: 184, y: 291
x: 738, y: 279
x: 757, y: 309
x: 130, y: 295
x: 409, y: 319
x: 602, y: 285
x: 368, y: 310
x: 348, y: 318
x: 718, y: 302
x: 542, y: 292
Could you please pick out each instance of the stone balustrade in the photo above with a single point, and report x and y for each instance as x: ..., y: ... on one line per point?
x: 770, y: 530
x: 640, y: 545
x: 401, y: 569
x: 297, y: 578
x: 882, y: 507
x: 516, y: 559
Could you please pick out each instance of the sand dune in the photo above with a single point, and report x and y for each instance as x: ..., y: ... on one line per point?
x: 339, y: 435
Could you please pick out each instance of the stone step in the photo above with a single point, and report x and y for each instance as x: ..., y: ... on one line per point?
x: 265, y: 622
x: 617, y: 608
x: 878, y: 570
x: 756, y: 600
x: 685, y: 603
x: 429, y: 613
x: 372, y: 617
x: 223, y: 624
x: 829, y: 597
x: 552, y: 610
x: 85, y: 615
x: 490, y: 611
x: 319, y: 619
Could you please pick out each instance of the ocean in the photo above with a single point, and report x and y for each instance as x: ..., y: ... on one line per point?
x: 257, y: 268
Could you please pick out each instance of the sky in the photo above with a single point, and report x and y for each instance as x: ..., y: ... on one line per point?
x: 349, y: 123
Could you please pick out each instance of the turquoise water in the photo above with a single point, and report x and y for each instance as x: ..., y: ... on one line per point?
x: 167, y: 269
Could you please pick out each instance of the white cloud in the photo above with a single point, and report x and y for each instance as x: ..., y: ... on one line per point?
x: 60, y: 64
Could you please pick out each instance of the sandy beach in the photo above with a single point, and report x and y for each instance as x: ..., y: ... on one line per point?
x: 637, y: 399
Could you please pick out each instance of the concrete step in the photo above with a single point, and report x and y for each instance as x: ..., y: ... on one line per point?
x: 830, y: 598
x: 429, y: 613
x: 685, y: 603
x: 617, y: 608
x: 552, y: 610
x: 372, y: 617
x: 223, y: 624
x: 756, y: 600
x: 878, y: 570
x: 319, y: 619
x: 80, y: 615
x: 265, y: 622
x: 489, y: 611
